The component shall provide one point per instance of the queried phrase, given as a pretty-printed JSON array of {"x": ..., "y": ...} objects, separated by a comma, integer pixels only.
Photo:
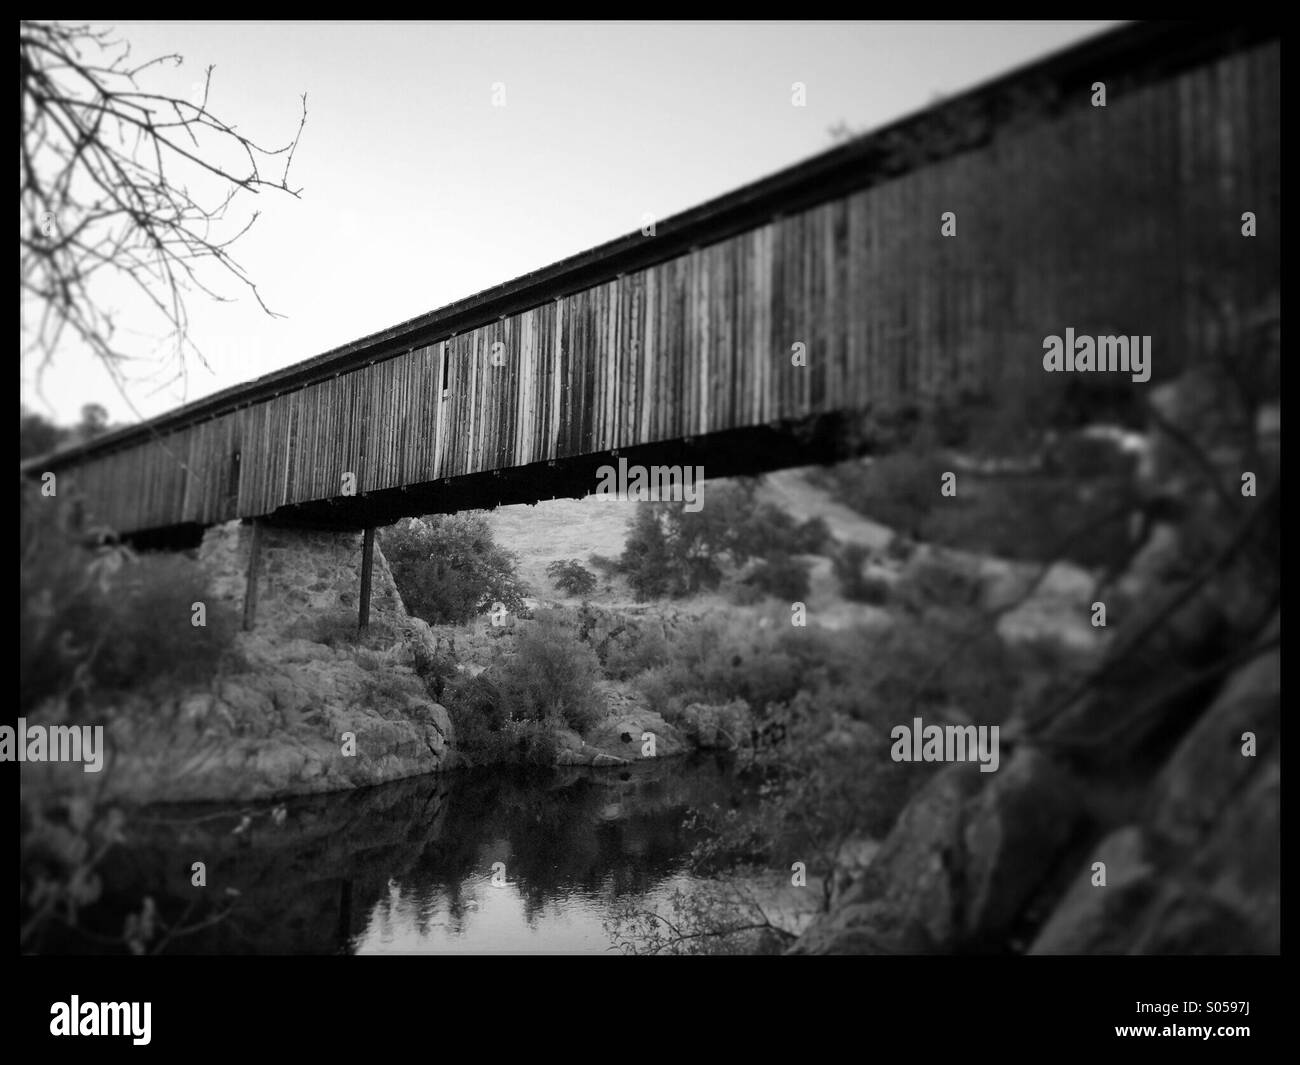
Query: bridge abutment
[{"x": 299, "y": 574}]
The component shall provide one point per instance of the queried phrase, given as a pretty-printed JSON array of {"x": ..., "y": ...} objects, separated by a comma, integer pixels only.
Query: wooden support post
[
  {"x": 367, "y": 560},
  {"x": 250, "y": 587}
]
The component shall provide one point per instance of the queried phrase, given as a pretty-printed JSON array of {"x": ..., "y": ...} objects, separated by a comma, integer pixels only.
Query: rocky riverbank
[
  {"x": 1141, "y": 812},
  {"x": 302, "y": 706}
]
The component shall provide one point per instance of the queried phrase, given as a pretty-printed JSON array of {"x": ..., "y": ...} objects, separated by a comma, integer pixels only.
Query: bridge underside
[{"x": 816, "y": 440}]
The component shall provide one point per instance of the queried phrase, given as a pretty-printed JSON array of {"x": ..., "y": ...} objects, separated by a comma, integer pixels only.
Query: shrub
[
  {"x": 571, "y": 577},
  {"x": 435, "y": 669},
  {"x": 533, "y": 742},
  {"x": 109, "y": 619},
  {"x": 781, "y": 577},
  {"x": 449, "y": 569},
  {"x": 813, "y": 536},
  {"x": 635, "y": 652},
  {"x": 551, "y": 674},
  {"x": 875, "y": 591},
  {"x": 934, "y": 582},
  {"x": 513, "y": 711},
  {"x": 658, "y": 685},
  {"x": 746, "y": 594},
  {"x": 474, "y": 704},
  {"x": 899, "y": 548},
  {"x": 854, "y": 584},
  {"x": 718, "y": 660},
  {"x": 609, "y": 567}
]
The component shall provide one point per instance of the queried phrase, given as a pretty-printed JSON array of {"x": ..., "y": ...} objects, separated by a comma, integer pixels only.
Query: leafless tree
[{"x": 124, "y": 189}]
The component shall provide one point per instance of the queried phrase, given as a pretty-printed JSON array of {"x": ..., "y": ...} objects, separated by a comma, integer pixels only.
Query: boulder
[
  {"x": 621, "y": 735},
  {"x": 1091, "y": 919},
  {"x": 964, "y": 858},
  {"x": 274, "y": 731},
  {"x": 1058, "y": 612},
  {"x": 1014, "y": 834},
  {"x": 907, "y": 900}
]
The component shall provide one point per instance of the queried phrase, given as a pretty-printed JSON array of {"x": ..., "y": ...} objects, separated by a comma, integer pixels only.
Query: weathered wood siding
[{"x": 890, "y": 313}]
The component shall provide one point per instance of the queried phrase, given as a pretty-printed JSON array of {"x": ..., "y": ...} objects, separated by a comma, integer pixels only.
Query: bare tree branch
[{"x": 101, "y": 198}]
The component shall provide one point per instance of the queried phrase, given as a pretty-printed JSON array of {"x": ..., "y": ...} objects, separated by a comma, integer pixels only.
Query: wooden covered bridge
[{"x": 783, "y": 323}]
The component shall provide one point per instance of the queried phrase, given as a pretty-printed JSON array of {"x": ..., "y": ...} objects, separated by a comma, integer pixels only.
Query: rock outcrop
[
  {"x": 1139, "y": 813},
  {"x": 303, "y": 707}
]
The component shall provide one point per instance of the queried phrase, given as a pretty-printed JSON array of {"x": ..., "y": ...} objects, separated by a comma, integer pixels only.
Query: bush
[
  {"x": 149, "y": 624},
  {"x": 449, "y": 569},
  {"x": 435, "y": 669},
  {"x": 571, "y": 577},
  {"x": 513, "y": 711},
  {"x": 474, "y": 704},
  {"x": 533, "y": 742},
  {"x": 812, "y": 537},
  {"x": 781, "y": 577},
  {"x": 935, "y": 582},
  {"x": 551, "y": 674},
  {"x": 854, "y": 584},
  {"x": 866, "y": 673},
  {"x": 874, "y": 591},
  {"x": 635, "y": 652},
  {"x": 609, "y": 567},
  {"x": 108, "y": 619},
  {"x": 745, "y": 594},
  {"x": 718, "y": 660}
]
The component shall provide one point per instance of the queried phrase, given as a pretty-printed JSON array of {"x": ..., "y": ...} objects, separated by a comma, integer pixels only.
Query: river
[{"x": 490, "y": 860}]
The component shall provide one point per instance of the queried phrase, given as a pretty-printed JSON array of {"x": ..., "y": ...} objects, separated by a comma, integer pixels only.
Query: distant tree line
[{"x": 38, "y": 435}]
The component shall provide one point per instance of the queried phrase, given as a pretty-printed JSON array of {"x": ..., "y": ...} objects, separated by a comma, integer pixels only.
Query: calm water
[{"x": 408, "y": 867}]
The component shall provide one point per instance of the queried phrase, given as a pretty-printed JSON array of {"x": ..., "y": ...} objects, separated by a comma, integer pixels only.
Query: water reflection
[{"x": 409, "y": 866}]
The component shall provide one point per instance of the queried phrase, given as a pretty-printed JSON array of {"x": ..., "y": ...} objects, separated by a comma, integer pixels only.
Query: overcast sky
[{"x": 418, "y": 191}]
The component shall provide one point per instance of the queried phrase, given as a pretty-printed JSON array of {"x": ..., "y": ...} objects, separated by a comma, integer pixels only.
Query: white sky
[{"x": 417, "y": 191}]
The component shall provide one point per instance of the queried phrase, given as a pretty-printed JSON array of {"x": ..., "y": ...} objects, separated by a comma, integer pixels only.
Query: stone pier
[{"x": 302, "y": 573}]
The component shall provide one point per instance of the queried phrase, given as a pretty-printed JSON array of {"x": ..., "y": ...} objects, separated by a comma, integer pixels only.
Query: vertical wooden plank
[
  {"x": 490, "y": 389},
  {"x": 560, "y": 363},
  {"x": 517, "y": 411},
  {"x": 704, "y": 339},
  {"x": 526, "y": 432},
  {"x": 663, "y": 349},
  {"x": 475, "y": 404},
  {"x": 579, "y": 417},
  {"x": 600, "y": 363},
  {"x": 776, "y": 346},
  {"x": 649, "y": 355},
  {"x": 387, "y": 413},
  {"x": 440, "y": 378},
  {"x": 614, "y": 311},
  {"x": 590, "y": 320}
]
